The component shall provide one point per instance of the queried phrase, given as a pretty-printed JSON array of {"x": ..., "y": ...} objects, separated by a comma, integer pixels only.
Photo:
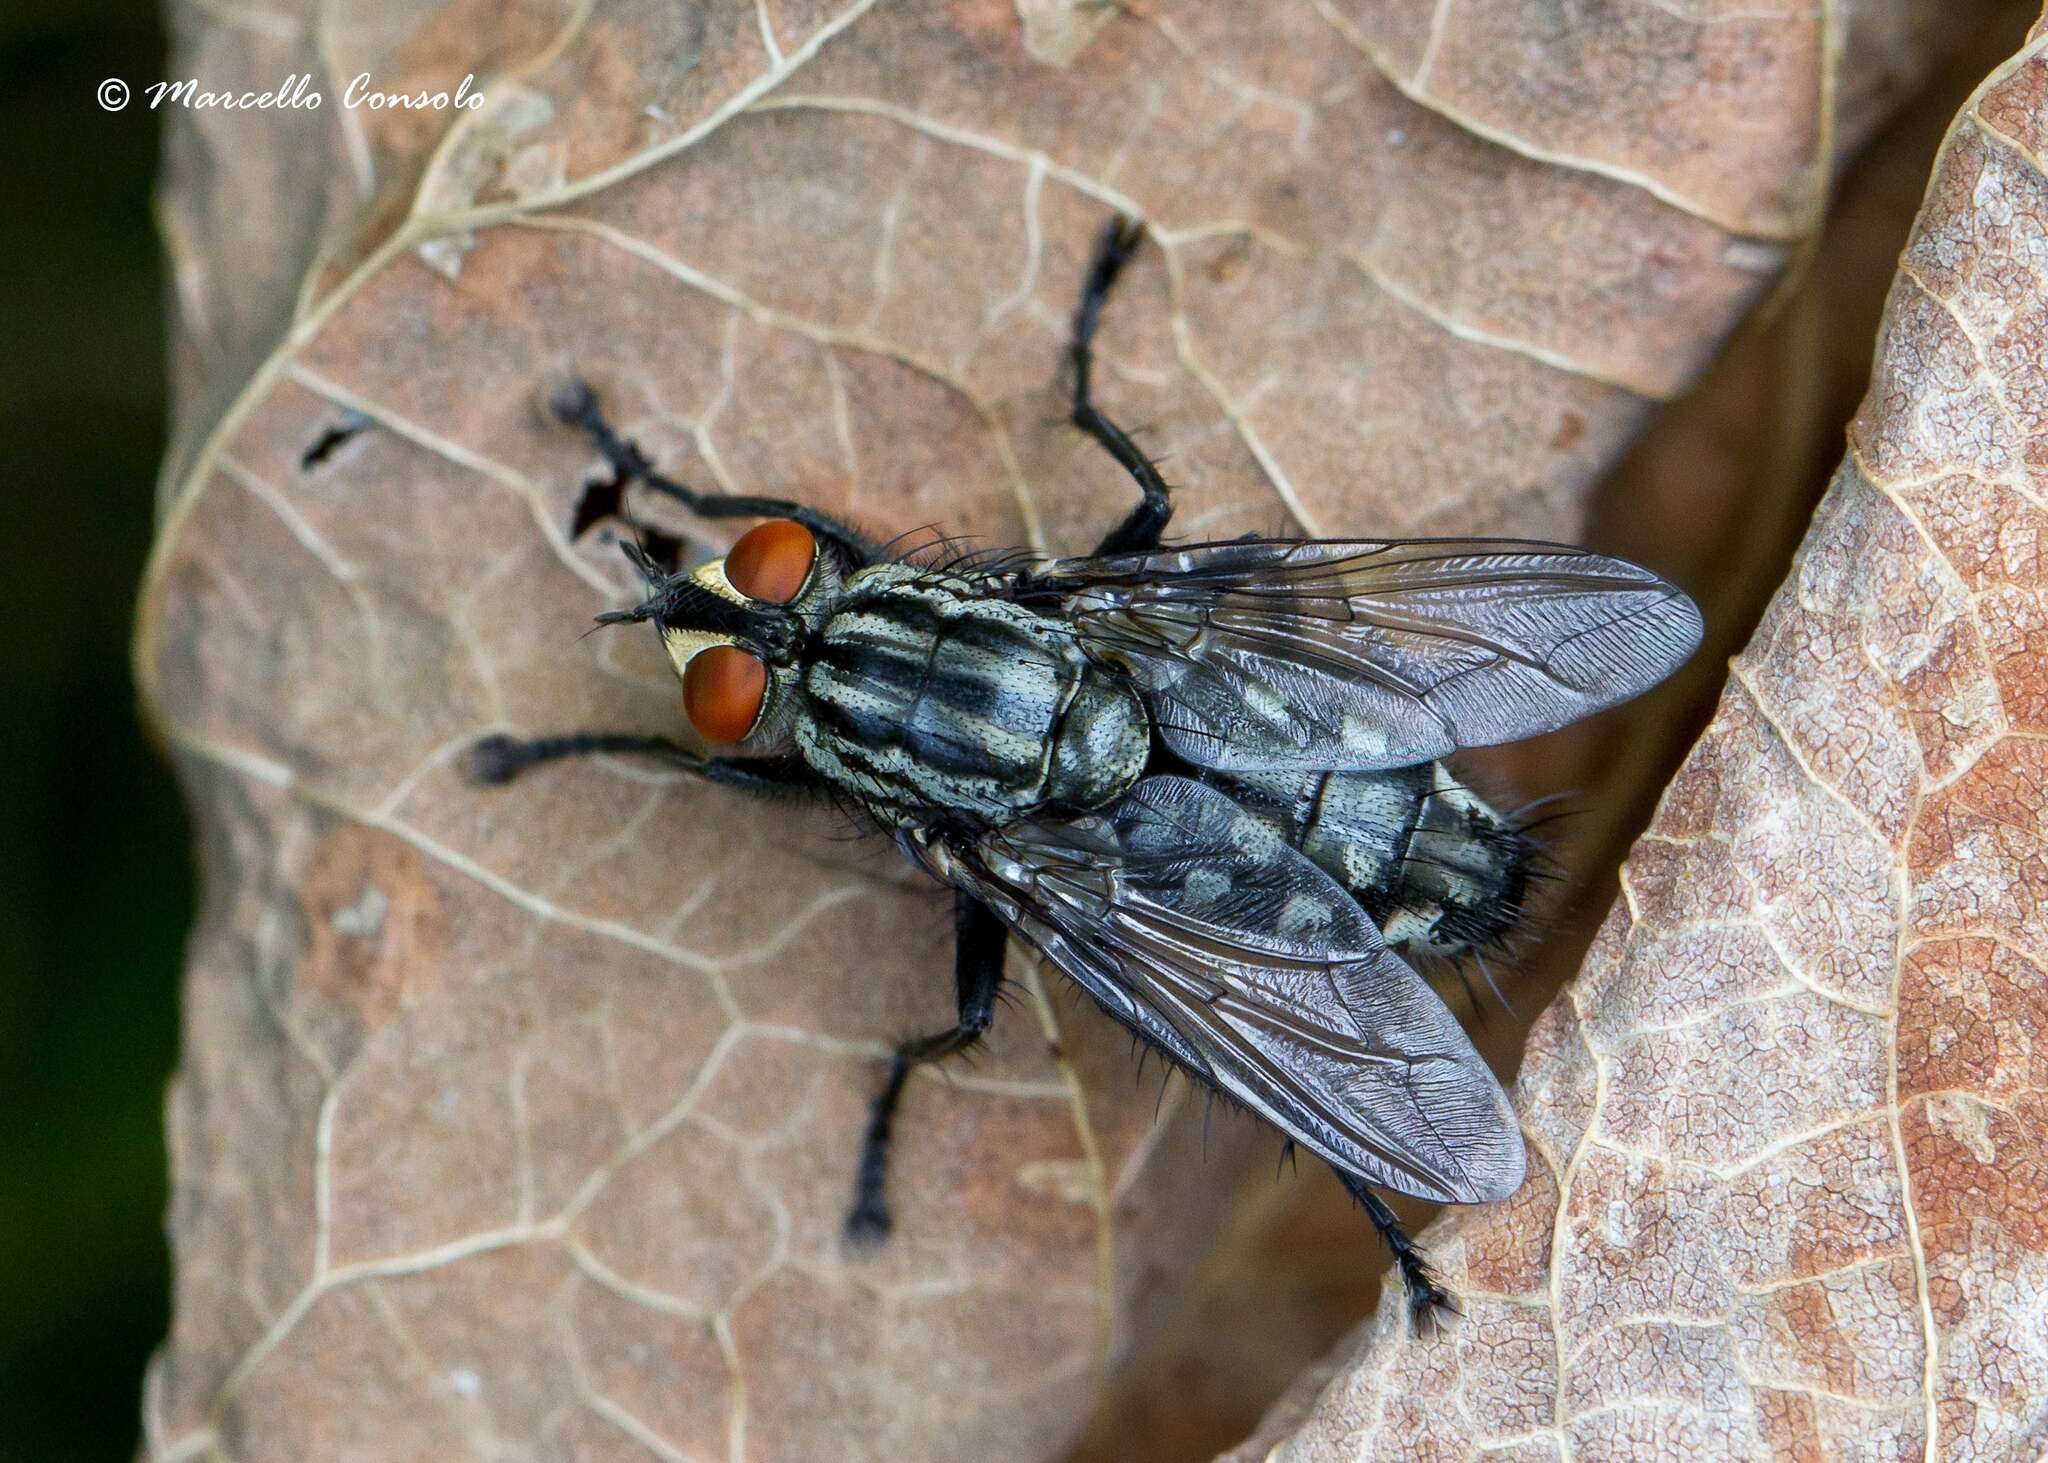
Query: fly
[{"x": 1202, "y": 780}]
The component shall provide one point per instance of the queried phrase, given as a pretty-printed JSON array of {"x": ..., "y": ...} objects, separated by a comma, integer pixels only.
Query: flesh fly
[{"x": 1202, "y": 780}]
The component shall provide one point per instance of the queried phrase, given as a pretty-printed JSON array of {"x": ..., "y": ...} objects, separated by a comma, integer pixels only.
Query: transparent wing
[
  {"x": 1354, "y": 655},
  {"x": 1201, "y": 930}
]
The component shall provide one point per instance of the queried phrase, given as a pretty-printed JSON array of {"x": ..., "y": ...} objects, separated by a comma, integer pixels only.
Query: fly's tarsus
[{"x": 1429, "y": 1304}]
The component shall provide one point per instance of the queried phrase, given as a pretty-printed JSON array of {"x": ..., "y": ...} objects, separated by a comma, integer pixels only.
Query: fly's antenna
[
  {"x": 639, "y": 612},
  {"x": 637, "y": 554},
  {"x": 652, "y": 575},
  {"x": 680, "y": 599}
]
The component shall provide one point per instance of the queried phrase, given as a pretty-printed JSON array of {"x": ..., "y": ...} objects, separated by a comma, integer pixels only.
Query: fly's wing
[
  {"x": 1203, "y": 931},
  {"x": 1355, "y": 655}
]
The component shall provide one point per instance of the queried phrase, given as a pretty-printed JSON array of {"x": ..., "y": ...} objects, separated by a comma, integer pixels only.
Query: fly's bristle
[
  {"x": 1286, "y": 1159},
  {"x": 929, "y": 539}
]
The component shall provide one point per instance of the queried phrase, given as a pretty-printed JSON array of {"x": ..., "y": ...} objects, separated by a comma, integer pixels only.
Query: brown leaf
[
  {"x": 526, "y": 1116},
  {"x": 1790, "y": 1118}
]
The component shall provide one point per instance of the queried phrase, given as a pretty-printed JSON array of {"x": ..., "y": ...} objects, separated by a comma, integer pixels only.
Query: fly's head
[{"x": 735, "y": 630}]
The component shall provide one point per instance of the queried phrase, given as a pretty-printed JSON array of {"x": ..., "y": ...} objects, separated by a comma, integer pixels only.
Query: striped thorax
[{"x": 923, "y": 694}]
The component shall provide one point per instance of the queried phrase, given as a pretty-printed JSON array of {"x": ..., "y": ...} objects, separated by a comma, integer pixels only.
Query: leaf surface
[
  {"x": 1790, "y": 1119},
  {"x": 522, "y": 1120}
]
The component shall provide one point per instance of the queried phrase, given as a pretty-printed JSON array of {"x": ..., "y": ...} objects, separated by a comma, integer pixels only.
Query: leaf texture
[
  {"x": 1789, "y": 1122},
  {"x": 519, "y": 1123}
]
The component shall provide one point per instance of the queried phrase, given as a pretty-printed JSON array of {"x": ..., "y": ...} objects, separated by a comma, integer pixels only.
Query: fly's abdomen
[
  {"x": 1434, "y": 865},
  {"x": 926, "y": 695}
]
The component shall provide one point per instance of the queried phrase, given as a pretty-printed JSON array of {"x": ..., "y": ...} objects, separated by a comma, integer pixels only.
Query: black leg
[
  {"x": 1147, "y": 521},
  {"x": 577, "y": 405},
  {"x": 978, "y": 973},
  {"x": 498, "y": 758},
  {"x": 1428, "y": 1302}
]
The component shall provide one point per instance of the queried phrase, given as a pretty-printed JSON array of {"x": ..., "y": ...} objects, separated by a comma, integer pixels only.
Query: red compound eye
[
  {"x": 771, "y": 561},
  {"x": 723, "y": 688}
]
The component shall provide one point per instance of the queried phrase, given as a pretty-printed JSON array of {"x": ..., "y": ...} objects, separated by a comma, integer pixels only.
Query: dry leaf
[
  {"x": 523, "y": 1120},
  {"x": 1717, "y": 492},
  {"x": 1791, "y": 1117}
]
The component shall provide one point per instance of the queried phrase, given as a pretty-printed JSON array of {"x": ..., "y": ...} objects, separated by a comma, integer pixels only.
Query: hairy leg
[
  {"x": 1146, "y": 522},
  {"x": 1427, "y": 1301},
  {"x": 979, "y": 940},
  {"x": 498, "y": 758},
  {"x": 577, "y": 405}
]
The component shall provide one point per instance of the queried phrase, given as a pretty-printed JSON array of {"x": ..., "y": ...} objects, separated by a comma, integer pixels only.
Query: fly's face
[{"x": 735, "y": 630}]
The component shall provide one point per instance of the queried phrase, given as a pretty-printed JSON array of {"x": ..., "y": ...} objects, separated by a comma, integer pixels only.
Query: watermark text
[{"x": 297, "y": 92}]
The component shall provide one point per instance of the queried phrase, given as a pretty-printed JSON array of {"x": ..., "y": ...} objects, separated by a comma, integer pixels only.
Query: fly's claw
[
  {"x": 495, "y": 759},
  {"x": 1120, "y": 240},
  {"x": 867, "y": 1225},
  {"x": 1430, "y": 1307}
]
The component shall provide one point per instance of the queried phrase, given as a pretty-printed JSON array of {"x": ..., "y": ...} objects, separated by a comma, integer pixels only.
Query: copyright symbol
[{"x": 113, "y": 94}]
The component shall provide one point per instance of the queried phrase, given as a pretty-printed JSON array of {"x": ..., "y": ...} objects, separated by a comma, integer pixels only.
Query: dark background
[{"x": 95, "y": 857}]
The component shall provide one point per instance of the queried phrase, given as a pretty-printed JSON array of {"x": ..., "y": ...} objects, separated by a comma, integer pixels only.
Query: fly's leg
[
  {"x": 978, "y": 973},
  {"x": 1146, "y": 522},
  {"x": 1427, "y": 1301},
  {"x": 576, "y": 404},
  {"x": 498, "y": 759}
]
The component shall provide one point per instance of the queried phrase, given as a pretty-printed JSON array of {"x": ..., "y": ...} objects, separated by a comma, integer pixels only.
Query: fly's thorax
[
  {"x": 1437, "y": 868},
  {"x": 923, "y": 695}
]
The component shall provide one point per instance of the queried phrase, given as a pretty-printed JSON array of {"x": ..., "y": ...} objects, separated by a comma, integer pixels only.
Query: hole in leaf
[
  {"x": 324, "y": 446},
  {"x": 604, "y": 502}
]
